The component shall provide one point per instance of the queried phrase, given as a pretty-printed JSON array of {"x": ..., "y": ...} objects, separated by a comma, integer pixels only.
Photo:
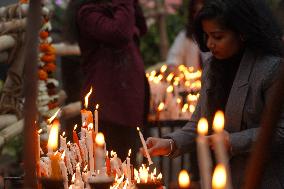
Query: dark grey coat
[{"x": 248, "y": 96}]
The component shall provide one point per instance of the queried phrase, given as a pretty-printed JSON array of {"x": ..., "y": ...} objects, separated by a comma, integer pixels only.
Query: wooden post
[
  {"x": 162, "y": 28},
  {"x": 30, "y": 93},
  {"x": 270, "y": 118}
]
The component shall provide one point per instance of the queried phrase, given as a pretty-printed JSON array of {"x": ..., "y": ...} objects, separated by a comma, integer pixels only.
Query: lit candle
[
  {"x": 100, "y": 155},
  {"x": 38, "y": 138},
  {"x": 53, "y": 137},
  {"x": 55, "y": 168},
  {"x": 96, "y": 119},
  {"x": 63, "y": 144},
  {"x": 75, "y": 136},
  {"x": 204, "y": 159},
  {"x": 108, "y": 166},
  {"x": 87, "y": 116},
  {"x": 183, "y": 179},
  {"x": 159, "y": 110},
  {"x": 128, "y": 166},
  {"x": 219, "y": 146},
  {"x": 145, "y": 146},
  {"x": 90, "y": 150},
  {"x": 219, "y": 180},
  {"x": 64, "y": 170}
]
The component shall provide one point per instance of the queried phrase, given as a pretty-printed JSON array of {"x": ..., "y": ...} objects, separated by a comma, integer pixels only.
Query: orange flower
[
  {"x": 46, "y": 48},
  {"x": 43, "y": 34},
  {"x": 49, "y": 67},
  {"x": 42, "y": 75},
  {"x": 48, "y": 58},
  {"x": 24, "y": 1},
  {"x": 52, "y": 105}
]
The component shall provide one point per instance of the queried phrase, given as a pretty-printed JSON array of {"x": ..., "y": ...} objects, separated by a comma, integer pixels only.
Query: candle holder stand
[
  {"x": 100, "y": 185},
  {"x": 49, "y": 183},
  {"x": 148, "y": 185}
]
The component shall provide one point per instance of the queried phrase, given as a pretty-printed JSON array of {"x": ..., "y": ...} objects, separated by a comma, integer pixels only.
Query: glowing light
[
  {"x": 53, "y": 136},
  {"x": 219, "y": 178},
  {"x": 170, "y": 89},
  {"x": 87, "y": 97},
  {"x": 53, "y": 117},
  {"x": 183, "y": 179},
  {"x": 218, "y": 122},
  {"x": 161, "y": 106},
  {"x": 100, "y": 139},
  {"x": 163, "y": 68},
  {"x": 202, "y": 127}
]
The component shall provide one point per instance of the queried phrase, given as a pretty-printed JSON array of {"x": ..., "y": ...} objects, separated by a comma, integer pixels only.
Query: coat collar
[{"x": 238, "y": 94}]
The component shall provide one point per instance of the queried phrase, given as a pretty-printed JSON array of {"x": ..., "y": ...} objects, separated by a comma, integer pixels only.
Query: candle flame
[
  {"x": 184, "y": 108},
  {"x": 86, "y": 168},
  {"x": 218, "y": 122},
  {"x": 161, "y": 106},
  {"x": 97, "y": 106},
  {"x": 170, "y": 89},
  {"x": 219, "y": 178},
  {"x": 73, "y": 178},
  {"x": 202, "y": 127},
  {"x": 63, "y": 134},
  {"x": 191, "y": 108},
  {"x": 90, "y": 126},
  {"x": 63, "y": 155},
  {"x": 163, "y": 68},
  {"x": 53, "y": 136},
  {"x": 138, "y": 129},
  {"x": 68, "y": 143},
  {"x": 153, "y": 73},
  {"x": 178, "y": 100},
  {"x": 87, "y": 97},
  {"x": 100, "y": 139},
  {"x": 183, "y": 179},
  {"x": 160, "y": 176},
  {"x": 39, "y": 131},
  {"x": 129, "y": 152},
  {"x": 75, "y": 127},
  {"x": 53, "y": 117},
  {"x": 170, "y": 77}
]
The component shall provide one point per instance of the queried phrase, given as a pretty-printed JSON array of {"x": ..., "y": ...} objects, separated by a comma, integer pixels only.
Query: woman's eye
[{"x": 217, "y": 37}]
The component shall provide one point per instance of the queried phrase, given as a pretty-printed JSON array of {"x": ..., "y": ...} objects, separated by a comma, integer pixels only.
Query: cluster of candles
[
  {"x": 173, "y": 94},
  {"x": 221, "y": 175},
  {"x": 86, "y": 160}
]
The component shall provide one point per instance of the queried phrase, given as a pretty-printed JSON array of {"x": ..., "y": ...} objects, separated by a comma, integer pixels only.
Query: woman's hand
[
  {"x": 157, "y": 146},
  {"x": 226, "y": 137}
]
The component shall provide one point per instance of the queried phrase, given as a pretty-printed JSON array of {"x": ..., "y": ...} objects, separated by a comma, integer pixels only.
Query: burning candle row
[
  {"x": 87, "y": 150},
  {"x": 174, "y": 95}
]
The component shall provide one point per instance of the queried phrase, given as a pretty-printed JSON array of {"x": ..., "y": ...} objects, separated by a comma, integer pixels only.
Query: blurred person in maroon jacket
[{"x": 108, "y": 35}]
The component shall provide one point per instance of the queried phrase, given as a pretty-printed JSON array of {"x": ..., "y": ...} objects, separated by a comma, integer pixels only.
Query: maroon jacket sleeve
[{"x": 96, "y": 23}]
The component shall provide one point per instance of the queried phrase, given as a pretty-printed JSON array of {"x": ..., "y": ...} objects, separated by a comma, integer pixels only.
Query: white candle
[
  {"x": 203, "y": 153},
  {"x": 96, "y": 119},
  {"x": 145, "y": 147},
  {"x": 91, "y": 151},
  {"x": 219, "y": 146},
  {"x": 84, "y": 150},
  {"x": 63, "y": 171},
  {"x": 63, "y": 144},
  {"x": 38, "y": 136},
  {"x": 100, "y": 154},
  {"x": 128, "y": 166}
]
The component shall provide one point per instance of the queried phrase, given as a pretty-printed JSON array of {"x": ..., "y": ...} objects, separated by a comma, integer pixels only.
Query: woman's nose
[{"x": 210, "y": 44}]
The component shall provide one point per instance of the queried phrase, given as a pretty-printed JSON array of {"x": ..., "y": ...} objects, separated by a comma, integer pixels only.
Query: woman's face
[{"x": 223, "y": 43}]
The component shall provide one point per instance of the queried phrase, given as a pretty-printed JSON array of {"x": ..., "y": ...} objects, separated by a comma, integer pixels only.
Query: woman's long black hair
[{"x": 252, "y": 19}]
